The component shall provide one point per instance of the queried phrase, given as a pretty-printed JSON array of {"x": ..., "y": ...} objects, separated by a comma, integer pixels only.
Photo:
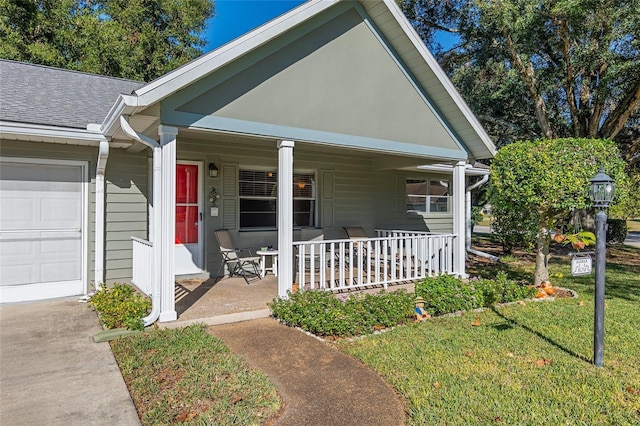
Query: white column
[
  {"x": 285, "y": 217},
  {"x": 167, "y": 226},
  {"x": 459, "y": 221}
]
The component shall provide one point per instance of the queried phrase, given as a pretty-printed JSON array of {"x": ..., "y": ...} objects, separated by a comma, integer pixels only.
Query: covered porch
[{"x": 333, "y": 115}]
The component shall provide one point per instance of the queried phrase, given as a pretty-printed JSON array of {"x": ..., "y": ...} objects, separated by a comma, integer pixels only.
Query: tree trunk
[{"x": 541, "y": 273}]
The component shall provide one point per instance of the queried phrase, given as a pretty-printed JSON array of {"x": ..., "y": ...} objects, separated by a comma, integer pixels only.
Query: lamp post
[{"x": 601, "y": 193}]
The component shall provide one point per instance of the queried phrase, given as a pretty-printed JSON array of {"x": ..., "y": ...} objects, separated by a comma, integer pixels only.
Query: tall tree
[
  {"x": 574, "y": 65},
  {"x": 535, "y": 185},
  {"x": 136, "y": 39}
]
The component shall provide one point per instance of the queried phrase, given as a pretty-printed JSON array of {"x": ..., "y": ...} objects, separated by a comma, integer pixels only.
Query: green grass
[
  {"x": 451, "y": 372},
  {"x": 188, "y": 376}
]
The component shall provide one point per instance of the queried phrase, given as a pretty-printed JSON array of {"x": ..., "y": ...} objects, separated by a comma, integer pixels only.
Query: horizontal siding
[
  {"x": 362, "y": 196},
  {"x": 126, "y": 210}
]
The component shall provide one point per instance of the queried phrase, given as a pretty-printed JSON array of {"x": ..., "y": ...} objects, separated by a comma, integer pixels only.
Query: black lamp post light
[{"x": 601, "y": 192}]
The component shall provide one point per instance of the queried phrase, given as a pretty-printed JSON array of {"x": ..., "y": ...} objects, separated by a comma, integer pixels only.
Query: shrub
[
  {"x": 444, "y": 294},
  {"x": 324, "y": 314},
  {"x": 502, "y": 290},
  {"x": 616, "y": 231},
  {"x": 120, "y": 307}
]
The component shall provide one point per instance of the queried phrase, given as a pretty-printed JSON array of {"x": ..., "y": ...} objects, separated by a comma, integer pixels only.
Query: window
[
  {"x": 258, "y": 190},
  {"x": 428, "y": 196}
]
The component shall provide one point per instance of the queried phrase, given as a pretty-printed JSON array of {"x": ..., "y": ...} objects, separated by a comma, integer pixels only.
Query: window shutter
[
  {"x": 229, "y": 196},
  {"x": 327, "y": 199},
  {"x": 401, "y": 194}
]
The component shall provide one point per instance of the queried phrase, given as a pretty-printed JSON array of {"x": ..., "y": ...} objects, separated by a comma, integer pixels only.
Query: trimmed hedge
[{"x": 325, "y": 314}]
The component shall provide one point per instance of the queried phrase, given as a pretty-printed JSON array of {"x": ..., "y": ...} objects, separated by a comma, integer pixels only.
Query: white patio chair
[{"x": 238, "y": 261}]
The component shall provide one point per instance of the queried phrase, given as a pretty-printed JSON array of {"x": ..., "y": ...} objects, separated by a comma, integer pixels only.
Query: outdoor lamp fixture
[
  {"x": 602, "y": 190},
  {"x": 213, "y": 170},
  {"x": 601, "y": 193}
]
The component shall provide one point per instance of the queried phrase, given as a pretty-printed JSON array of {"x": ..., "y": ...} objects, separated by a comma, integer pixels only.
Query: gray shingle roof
[{"x": 38, "y": 94}]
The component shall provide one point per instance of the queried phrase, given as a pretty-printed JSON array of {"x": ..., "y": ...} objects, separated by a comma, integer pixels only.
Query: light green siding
[
  {"x": 337, "y": 83},
  {"x": 360, "y": 194},
  {"x": 126, "y": 189}
]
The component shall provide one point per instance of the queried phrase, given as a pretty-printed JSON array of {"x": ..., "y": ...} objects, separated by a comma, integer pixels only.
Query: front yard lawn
[
  {"x": 188, "y": 376},
  {"x": 522, "y": 364}
]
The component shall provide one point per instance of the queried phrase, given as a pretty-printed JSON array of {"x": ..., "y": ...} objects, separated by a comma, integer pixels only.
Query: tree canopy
[
  {"x": 135, "y": 39},
  {"x": 542, "y": 69},
  {"x": 536, "y": 184}
]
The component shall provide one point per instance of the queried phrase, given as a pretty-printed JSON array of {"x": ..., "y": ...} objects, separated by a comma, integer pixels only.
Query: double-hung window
[
  {"x": 258, "y": 193},
  {"x": 428, "y": 196}
]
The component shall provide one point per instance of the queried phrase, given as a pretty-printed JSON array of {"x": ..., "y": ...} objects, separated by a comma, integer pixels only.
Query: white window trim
[
  {"x": 275, "y": 170},
  {"x": 427, "y": 197}
]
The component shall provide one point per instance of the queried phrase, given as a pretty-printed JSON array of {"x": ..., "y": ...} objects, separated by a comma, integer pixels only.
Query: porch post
[
  {"x": 285, "y": 217},
  {"x": 167, "y": 228},
  {"x": 459, "y": 222}
]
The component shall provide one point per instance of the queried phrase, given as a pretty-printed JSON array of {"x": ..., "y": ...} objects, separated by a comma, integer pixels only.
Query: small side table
[{"x": 263, "y": 264}]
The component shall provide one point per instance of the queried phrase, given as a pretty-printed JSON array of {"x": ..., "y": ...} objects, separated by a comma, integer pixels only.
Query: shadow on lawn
[{"x": 511, "y": 323}]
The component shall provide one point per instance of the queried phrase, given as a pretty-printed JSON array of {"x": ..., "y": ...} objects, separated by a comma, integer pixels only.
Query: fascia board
[
  {"x": 440, "y": 74},
  {"x": 446, "y": 168},
  {"x": 199, "y": 68},
  {"x": 125, "y": 105},
  {"x": 26, "y": 131}
]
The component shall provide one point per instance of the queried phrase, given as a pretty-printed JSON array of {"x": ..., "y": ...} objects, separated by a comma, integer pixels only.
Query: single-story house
[{"x": 332, "y": 115}]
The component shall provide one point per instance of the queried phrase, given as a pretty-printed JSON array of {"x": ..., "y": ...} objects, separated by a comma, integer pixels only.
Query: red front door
[{"x": 188, "y": 218}]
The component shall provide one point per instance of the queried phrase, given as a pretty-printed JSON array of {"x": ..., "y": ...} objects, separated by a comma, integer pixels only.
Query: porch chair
[
  {"x": 358, "y": 233},
  {"x": 238, "y": 261}
]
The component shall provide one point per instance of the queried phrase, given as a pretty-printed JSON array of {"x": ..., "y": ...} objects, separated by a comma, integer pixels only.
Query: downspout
[
  {"x": 101, "y": 164},
  {"x": 476, "y": 185},
  {"x": 156, "y": 196}
]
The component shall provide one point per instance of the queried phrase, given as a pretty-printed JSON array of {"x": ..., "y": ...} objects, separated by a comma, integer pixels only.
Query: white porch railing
[
  {"x": 392, "y": 257},
  {"x": 142, "y": 265}
]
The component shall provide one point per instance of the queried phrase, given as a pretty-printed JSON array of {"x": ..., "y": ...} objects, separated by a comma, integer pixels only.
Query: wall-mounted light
[
  {"x": 301, "y": 185},
  {"x": 213, "y": 170}
]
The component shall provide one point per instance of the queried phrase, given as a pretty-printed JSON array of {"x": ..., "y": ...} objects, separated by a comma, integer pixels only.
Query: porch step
[{"x": 220, "y": 319}]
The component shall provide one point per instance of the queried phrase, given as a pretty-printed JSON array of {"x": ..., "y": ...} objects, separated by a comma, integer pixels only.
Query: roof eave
[{"x": 52, "y": 134}]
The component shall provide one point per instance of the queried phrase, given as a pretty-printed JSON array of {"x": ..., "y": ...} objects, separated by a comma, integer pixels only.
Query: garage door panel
[
  {"x": 16, "y": 246},
  {"x": 59, "y": 271},
  {"x": 16, "y": 274},
  {"x": 41, "y": 230},
  {"x": 17, "y": 212},
  {"x": 60, "y": 212}
]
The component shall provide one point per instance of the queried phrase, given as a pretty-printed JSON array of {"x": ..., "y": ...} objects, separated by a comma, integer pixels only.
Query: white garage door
[{"x": 42, "y": 229}]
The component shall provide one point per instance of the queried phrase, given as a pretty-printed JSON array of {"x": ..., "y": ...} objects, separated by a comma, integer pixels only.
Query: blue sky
[{"x": 235, "y": 17}]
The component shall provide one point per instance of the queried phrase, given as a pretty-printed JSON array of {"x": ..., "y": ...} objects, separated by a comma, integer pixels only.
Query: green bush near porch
[
  {"x": 325, "y": 314},
  {"x": 120, "y": 307},
  {"x": 445, "y": 294}
]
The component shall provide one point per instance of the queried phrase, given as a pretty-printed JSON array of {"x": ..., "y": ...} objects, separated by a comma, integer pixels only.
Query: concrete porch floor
[{"x": 223, "y": 301}]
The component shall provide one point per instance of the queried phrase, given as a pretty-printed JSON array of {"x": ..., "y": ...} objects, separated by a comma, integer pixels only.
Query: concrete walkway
[
  {"x": 51, "y": 371},
  {"x": 319, "y": 384}
]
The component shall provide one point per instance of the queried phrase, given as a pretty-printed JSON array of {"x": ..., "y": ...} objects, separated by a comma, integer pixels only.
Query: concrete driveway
[{"x": 51, "y": 371}]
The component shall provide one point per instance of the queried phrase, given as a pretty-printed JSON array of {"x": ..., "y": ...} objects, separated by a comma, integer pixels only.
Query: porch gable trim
[{"x": 214, "y": 123}]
